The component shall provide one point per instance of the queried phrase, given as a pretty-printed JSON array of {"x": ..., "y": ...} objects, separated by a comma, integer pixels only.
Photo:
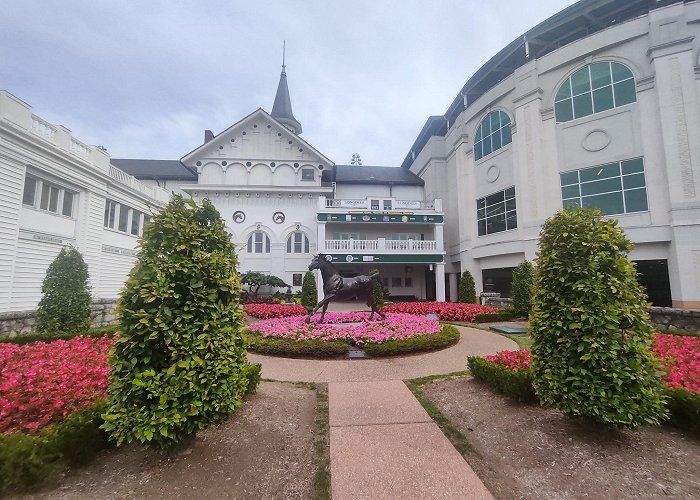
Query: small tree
[
  {"x": 522, "y": 288},
  {"x": 65, "y": 301},
  {"x": 179, "y": 361},
  {"x": 467, "y": 288},
  {"x": 590, "y": 324},
  {"x": 255, "y": 280},
  {"x": 377, "y": 289},
  {"x": 309, "y": 292}
]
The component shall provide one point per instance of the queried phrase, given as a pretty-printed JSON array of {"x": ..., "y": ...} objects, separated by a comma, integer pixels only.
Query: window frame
[
  {"x": 113, "y": 217},
  {"x": 482, "y": 134},
  {"x": 305, "y": 171},
  {"x": 49, "y": 203},
  {"x": 509, "y": 214},
  {"x": 252, "y": 244},
  {"x": 303, "y": 243}
]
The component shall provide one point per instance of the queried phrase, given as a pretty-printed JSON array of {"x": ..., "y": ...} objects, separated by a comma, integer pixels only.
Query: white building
[
  {"x": 597, "y": 106},
  {"x": 56, "y": 191}
]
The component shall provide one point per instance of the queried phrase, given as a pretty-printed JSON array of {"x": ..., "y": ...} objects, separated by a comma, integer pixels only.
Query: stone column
[{"x": 440, "y": 282}]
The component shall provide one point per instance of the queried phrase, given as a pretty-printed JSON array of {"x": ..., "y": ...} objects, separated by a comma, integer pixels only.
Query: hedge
[
  {"x": 447, "y": 337},
  {"x": 28, "y": 338},
  {"x": 504, "y": 315}
]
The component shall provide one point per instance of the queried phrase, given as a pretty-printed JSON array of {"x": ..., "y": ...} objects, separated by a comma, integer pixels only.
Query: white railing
[
  {"x": 366, "y": 204},
  {"x": 43, "y": 128},
  {"x": 122, "y": 177},
  {"x": 382, "y": 246},
  {"x": 79, "y": 148}
]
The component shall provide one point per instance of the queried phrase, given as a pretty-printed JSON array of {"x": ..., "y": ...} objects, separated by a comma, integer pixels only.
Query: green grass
[
  {"x": 458, "y": 440},
  {"x": 322, "y": 449}
]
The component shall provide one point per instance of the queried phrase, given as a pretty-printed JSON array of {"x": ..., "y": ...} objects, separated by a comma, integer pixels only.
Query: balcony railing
[
  {"x": 382, "y": 246},
  {"x": 122, "y": 177},
  {"x": 366, "y": 204}
]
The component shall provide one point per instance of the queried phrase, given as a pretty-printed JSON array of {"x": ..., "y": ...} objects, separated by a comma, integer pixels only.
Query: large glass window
[
  {"x": 29, "y": 194},
  {"x": 496, "y": 212},
  {"x": 597, "y": 87},
  {"x": 613, "y": 188},
  {"x": 45, "y": 195},
  {"x": 259, "y": 242},
  {"x": 493, "y": 133},
  {"x": 124, "y": 218},
  {"x": 297, "y": 242}
]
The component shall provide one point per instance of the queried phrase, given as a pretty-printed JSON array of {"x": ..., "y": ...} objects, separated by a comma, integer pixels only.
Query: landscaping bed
[
  {"x": 445, "y": 311},
  {"x": 526, "y": 451}
]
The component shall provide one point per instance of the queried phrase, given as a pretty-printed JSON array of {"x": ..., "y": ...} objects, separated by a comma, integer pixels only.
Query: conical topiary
[
  {"x": 467, "y": 289},
  {"x": 309, "y": 292}
]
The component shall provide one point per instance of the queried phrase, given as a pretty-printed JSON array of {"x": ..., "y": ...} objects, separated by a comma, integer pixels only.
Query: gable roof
[
  {"x": 154, "y": 169},
  {"x": 365, "y": 174}
]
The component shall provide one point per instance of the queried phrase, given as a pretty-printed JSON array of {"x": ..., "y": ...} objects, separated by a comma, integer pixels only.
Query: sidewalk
[{"x": 385, "y": 446}]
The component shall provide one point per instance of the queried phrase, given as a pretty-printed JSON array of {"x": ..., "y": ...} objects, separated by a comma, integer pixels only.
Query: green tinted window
[
  {"x": 583, "y": 105},
  {"x": 569, "y": 178},
  {"x": 624, "y": 92},
  {"x": 620, "y": 72},
  {"x": 492, "y": 134},
  {"x": 570, "y": 192},
  {"x": 636, "y": 200},
  {"x": 580, "y": 81},
  {"x": 632, "y": 166},
  {"x": 564, "y": 90},
  {"x": 496, "y": 212},
  {"x": 633, "y": 181},
  {"x": 603, "y": 99},
  {"x": 602, "y": 186},
  {"x": 608, "y": 204},
  {"x": 600, "y": 172},
  {"x": 600, "y": 75}
]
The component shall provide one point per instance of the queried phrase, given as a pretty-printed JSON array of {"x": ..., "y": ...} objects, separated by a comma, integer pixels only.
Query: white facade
[
  {"x": 54, "y": 191},
  {"x": 650, "y": 129}
]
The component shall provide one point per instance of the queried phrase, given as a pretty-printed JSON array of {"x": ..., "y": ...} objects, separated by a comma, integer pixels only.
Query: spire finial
[{"x": 284, "y": 50}]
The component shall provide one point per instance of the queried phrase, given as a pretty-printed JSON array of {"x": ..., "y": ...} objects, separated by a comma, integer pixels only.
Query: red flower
[
  {"x": 269, "y": 311},
  {"x": 446, "y": 311}
]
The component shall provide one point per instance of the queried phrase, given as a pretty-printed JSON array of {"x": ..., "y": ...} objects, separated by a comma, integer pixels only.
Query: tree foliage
[
  {"x": 255, "y": 280},
  {"x": 522, "y": 288},
  {"x": 377, "y": 295},
  {"x": 467, "y": 288},
  {"x": 179, "y": 361},
  {"x": 65, "y": 300},
  {"x": 590, "y": 324},
  {"x": 309, "y": 292}
]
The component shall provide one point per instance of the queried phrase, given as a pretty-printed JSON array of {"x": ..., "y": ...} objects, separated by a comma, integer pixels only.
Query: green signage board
[
  {"x": 386, "y": 258},
  {"x": 381, "y": 217}
]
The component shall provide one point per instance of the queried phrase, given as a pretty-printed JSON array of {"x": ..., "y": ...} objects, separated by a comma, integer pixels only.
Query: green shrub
[
  {"x": 65, "y": 300},
  {"x": 684, "y": 410},
  {"x": 311, "y": 348},
  {"x": 447, "y": 337},
  {"x": 467, "y": 288},
  {"x": 178, "y": 362},
  {"x": 254, "y": 280},
  {"x": 24, "y": 461},
  {"x": 503, "y": 315},
  {"x": 515, "y": 384},
  {"x": 590, "y": 326},
  {"x": 522, "y": 289},
  {"x": 377, "y": 289},
  {"x": 252, "y": 372},
  {"x": 28, "y": 338},
  {"x": 79, "y": 437},
  {"x": 309, "y": 292}
]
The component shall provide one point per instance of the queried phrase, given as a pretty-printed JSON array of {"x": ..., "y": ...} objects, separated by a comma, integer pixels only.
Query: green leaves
[
  {"x": 309, "y": 292},
  {"x": 590, "y": 324},
  {"x": 522, "y": 288},
  {"x": 467, "y": 289}
]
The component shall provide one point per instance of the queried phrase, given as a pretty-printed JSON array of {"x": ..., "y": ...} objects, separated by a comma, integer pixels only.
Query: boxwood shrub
[
  {"x": 466, "y": 293},
  {"x": 504, "y": 315},
  {"x": 516, "y": 384}
]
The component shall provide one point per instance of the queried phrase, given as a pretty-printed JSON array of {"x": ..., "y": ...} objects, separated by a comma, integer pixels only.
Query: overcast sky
[{"x": 145, "y": 78}]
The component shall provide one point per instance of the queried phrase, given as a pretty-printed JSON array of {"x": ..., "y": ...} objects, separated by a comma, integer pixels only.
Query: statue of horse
[{"x": 335, "y": 287}]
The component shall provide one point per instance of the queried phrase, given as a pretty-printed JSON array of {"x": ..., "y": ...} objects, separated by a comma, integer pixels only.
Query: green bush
[
  {"x": 252, "y": 372},
  {"x": 377, "y": 289},
  {"x": 65, "y": 300},
  {"x": 590, "y": 326},
  {"x": 28, "y": 338},
  {"x": 503, "y": 315},
  {"x": 178, "y": 362},
  {"x": 522, "y": 288},
  {"x": 24, "y": 461},
  {"x": 684, "y": 410},
  {"x": 447, "y": 337},
  {"x": 506, "y": 381},
  {"x": 254, "y": 280},
  {"x": 467, "y": 289},
  {"x": 79, "y": 437},
  {"x": 309, "y": 292},
  {"x": 311, "y": 348}
]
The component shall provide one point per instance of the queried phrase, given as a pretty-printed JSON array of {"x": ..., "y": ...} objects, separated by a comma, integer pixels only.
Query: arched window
[
  {"x": 493, "y": 133},
  {"x": 259, "y": 242},
  {"x": 594, "y": 88},
  {"x": 297, "y": 243}
]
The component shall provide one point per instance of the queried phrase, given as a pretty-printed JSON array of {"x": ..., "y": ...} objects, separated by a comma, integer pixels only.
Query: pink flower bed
[
  {"x": 680, "y": 356},
  {"x": 42, "y": 383},
  {"x": 267, "y": 311},
  {"x": 446, "y": 311},
  {"x": 396, "y": 326}
]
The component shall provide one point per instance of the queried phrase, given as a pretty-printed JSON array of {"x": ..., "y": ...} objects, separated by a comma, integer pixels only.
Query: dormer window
[{"x": 308, "y": 174}]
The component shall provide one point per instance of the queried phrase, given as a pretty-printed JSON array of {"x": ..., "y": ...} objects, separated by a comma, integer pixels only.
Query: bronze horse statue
[{"x": 335, "y": 287}]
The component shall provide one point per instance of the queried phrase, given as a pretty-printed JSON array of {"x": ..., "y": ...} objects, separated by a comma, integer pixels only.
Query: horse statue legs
[{"x": 324, "y": 303}]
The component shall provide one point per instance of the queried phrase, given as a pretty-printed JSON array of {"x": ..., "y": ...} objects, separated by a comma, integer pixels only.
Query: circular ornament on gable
[
  {"x": 278, "y": 217},
  {"x": 493, "y": 173},
  {"x": 238, "y": 216},
  {"x": 596, "y": 140}
]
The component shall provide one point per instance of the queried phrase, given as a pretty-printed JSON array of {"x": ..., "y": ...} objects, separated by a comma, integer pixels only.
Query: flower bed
[
  {"x": 515, "y": 360},
  {"x": 681, "y": 359},
  {"x": 395, "y": 327},
  {"x": 446, "y": 311},
  {"x": 268, "y": 311},
  {"x": 40, "y": 384}
]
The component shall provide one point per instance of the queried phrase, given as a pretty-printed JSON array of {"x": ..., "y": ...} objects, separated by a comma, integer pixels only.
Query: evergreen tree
[
  {"x": 590, "y": 324},
  {"x": 179, "y": 361},
  {"x": 522, "y": 288},
  {"x": 467, "y": 288},
  {"x": 309, "y": 292},
  {"x": 377, "y": 289},
  {"x": 65, "y": 300}
]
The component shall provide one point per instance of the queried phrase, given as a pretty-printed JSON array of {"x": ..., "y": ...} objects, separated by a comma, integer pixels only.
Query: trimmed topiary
[
  {"x": 590, "y": 324},
  {"x": 179, "y": 361},
  {"x": 467, "y": 289},
  {"x": 522, "y": 288},
  {"x": 377, "y": 289},
  {"x": 309, "y": 292},
  {"x": 65, "y": 303}
]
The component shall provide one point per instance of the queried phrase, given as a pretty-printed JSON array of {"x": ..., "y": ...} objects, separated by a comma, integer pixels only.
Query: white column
[
  {"x": 440, "y": 282},
  {"x": 453, "y": 286},
  {"x": 319, "y": 285},
  {"x": 320, "y": 237}
]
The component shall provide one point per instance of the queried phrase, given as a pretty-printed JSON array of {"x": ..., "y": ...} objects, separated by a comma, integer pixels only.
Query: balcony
[
  {"x": 379, "y": 204},
  {"x": 382, "y": 245}
]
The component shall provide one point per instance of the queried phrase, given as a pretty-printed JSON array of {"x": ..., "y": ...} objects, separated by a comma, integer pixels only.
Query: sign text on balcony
[{"x": 380, "y": 217}]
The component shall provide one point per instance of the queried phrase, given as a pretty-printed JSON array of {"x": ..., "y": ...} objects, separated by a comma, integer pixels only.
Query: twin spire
[{"x": 282, "y": 108}]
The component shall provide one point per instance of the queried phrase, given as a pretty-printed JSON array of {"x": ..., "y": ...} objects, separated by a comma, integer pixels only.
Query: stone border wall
[
  {"x": 19, "y": 322},
  {"x": 502, "y": 302},
  {"x": 671, "y": 318}
]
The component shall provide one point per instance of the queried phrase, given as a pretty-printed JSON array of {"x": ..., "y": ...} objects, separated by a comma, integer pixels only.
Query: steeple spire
[{"x": 282, "y": 108}]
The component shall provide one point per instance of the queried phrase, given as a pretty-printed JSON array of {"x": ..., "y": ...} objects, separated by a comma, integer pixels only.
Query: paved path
[{"x": 472, "y": 342}]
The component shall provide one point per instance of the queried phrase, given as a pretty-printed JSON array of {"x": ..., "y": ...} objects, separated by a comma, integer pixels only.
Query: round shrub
[
  {"x": 65, "y": 300},
  {"x": 179, "y": 361},
  {"x": 590, "y": 324},
  {"x": 309, "y": 292},
  {"x": 467, "y": 288},
  {"x": 522, "y": 288}
]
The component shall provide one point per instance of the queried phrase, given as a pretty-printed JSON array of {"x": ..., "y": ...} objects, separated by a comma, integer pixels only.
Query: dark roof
[
  {"x": 282, "y": 108},
  {"x": 569, "y": 25},
  {"x": 154, "y": 169},
  {"x": 364, "y": 174}
]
